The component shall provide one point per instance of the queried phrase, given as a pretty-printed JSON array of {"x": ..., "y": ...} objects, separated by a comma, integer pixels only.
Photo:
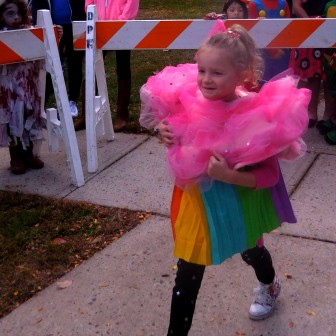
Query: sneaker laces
[{"x": 265, "y": 294}]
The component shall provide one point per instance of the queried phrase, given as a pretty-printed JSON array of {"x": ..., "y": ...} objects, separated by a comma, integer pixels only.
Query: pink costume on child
[
  {"x": 213, "y": 220},
  {"x": 245, "y": 131}
]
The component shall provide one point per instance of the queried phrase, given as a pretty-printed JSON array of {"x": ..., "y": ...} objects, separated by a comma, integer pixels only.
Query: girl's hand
[
  {"x": 166, "y": 135},
  {"x": 218, "y": 168},
  {"x": 214, "y": 16}
]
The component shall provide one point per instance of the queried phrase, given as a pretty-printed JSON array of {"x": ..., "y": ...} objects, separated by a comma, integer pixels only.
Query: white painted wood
[
  {"x": 97, "y": 108},
  {"x": 65, "y": 126}
]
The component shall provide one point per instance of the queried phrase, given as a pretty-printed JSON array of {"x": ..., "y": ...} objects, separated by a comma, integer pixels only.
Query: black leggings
[{"x": 188, "y": 282}]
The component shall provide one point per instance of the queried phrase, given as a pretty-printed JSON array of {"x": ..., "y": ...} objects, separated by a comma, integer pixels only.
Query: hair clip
[{"x": 233, "y": 34}]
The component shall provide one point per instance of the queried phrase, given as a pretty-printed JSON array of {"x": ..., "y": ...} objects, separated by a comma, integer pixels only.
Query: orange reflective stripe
[
  {"x": 8, "y": 55},
  {"x": 163, "y": 34},
  {"x": 38, "y": 32},
  {"x": 296, "y": 32},
  {"x": 106, "y": 30},
  {"x": 247, "y": 24}
]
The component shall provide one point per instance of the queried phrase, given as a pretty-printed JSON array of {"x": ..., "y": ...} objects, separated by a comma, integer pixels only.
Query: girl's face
[
  {"x": 11, "y": 16},
  {"x": 235, "y": 11},
  {"x": 217, "y": 78}
]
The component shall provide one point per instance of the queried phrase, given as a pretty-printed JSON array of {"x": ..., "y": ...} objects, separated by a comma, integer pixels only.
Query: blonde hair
[{"x": 241, "y": 49}]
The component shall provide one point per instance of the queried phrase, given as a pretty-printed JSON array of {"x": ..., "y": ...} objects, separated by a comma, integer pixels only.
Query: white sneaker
[
  {"x": 264, "y": 301},
  {"x": 73, "y": 108}
]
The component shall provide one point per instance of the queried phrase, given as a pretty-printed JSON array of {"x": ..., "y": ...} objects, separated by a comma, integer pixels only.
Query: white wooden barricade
[
  {"x": 97, "y": 108},
  {"x": 40, "y": 43},
  {"x": 95, "y": 36},
  {"x": 64, "y": 127}
]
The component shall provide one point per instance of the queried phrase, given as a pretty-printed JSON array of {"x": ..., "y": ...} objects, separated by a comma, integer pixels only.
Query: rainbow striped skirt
[{"x": 213, "y": 225}]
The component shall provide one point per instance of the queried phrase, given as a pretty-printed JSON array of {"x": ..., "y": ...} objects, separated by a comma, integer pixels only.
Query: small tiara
[{"x": 233, "y": 34}]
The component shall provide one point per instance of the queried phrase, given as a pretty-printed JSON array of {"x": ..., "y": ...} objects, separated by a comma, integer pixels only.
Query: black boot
[
  {"x": 124, "y": 95},
  {"x": 30, "y": 160},
  {"x": 16, "y": 154}
]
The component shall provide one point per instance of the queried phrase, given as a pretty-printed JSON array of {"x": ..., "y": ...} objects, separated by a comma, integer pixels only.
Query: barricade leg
[{"x": 55, "y": 68}]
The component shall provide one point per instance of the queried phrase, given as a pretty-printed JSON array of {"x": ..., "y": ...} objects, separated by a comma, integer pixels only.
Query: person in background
[
  {"x": 233, "y": 9},
  {"x": 327, "y": 125},
  {"x": 308, "y": 63},
  {"x": 202, "y": 114},
  {"x": 119, "y": 10},
  {"x": 20, "y": 98},
  {"x": 276, "y": 60},
  {"x": 63, "y": 12}
]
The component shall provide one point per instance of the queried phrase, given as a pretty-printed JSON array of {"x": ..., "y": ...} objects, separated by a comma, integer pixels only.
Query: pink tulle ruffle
[{"x": 245, "y": 131}]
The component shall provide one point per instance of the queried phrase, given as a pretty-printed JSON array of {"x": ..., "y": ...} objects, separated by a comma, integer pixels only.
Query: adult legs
[
  {"x": 74, "y": 64},
  {"x": 123, "y": 70}
]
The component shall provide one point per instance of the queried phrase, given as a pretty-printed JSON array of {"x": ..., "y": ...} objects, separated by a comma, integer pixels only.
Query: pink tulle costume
[{"x": 245, "y": 131}]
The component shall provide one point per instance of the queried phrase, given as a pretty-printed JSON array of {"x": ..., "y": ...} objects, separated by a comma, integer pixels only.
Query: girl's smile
[{"x": 217, "y": 78}]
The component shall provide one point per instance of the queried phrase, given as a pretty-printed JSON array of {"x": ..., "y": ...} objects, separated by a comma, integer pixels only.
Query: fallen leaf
[
  {"x": 291, "y": 324},
  {"x": 288, "y": 276},
  {"x": 58, "y": 241},
  {"x": 311, "y": 312},
  {"x": 64, "y": 284},
  {"x": 240, "y": 333}
]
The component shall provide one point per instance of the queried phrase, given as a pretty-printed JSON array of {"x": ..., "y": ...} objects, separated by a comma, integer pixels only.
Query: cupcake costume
[{"x": 212, "y": 220}]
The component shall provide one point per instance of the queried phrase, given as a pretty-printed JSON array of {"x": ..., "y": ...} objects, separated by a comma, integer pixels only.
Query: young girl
[
  {"x": 233, "y": 9},
  {"x": 222, "y": 148},
  {"x": 20, "y": 101}
]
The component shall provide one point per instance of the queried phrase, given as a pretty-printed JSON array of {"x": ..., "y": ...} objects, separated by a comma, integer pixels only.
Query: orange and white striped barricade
[
  {"x": 40, "y": 43},
  {"x": 95, "y": 36}
]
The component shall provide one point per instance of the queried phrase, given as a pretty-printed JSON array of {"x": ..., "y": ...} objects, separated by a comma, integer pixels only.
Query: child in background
[
  {"x": 233, "y": 9},
  {"x": 20, "y": 100},
  {"x": 229, "y": 188},
  {"x": 276, "y": 60}
]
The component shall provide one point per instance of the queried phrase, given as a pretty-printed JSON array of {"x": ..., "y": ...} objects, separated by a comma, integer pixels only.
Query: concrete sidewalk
[{"x": 125, "y": 289}]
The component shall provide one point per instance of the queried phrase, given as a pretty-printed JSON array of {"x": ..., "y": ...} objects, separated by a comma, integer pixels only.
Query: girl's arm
[
  {"x": 263, "y": 175},
  {"x": 298, "y": 9}
]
